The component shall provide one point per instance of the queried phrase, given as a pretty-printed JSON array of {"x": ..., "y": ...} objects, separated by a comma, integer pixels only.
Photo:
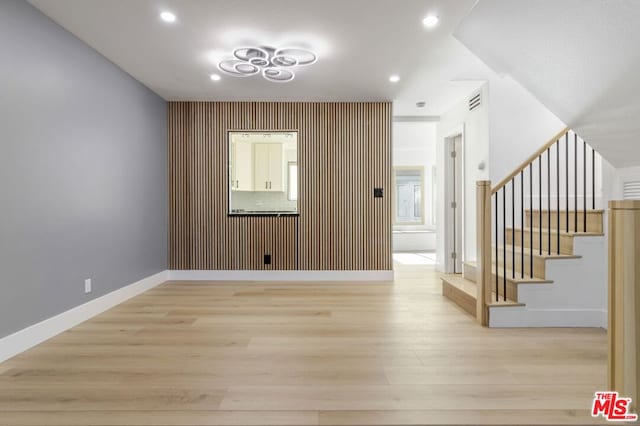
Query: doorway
[{"x": 414, "y": 164}]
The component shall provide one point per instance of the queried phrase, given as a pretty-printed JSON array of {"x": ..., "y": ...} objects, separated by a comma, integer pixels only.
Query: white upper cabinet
[
  {"x": 268, "y": 167},
  {"x": 242, "y": 172},
  {"x": 276, "y": 167}
]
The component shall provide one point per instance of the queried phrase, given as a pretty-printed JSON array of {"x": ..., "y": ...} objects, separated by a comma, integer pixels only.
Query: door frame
[{"x": 449, "y": 262}]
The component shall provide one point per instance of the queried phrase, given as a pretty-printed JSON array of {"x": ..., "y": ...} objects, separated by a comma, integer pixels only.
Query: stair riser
[
  {"x": 594, "y": 221},
  {"x": 566, "y": 241},
  {"x": 512, "y": 288},
  {"x": 469, "y": 272},
  {"x": 539, "y": 264},
  {"x": 459, "y": 297}
]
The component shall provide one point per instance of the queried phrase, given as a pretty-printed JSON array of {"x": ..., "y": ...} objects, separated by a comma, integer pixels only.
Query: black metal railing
[{"x": 511, "y": 194}]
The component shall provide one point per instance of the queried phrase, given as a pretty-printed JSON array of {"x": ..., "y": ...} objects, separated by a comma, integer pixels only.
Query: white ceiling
[
  {"x": 360, "y": 43},
  {"x": 580, "y": 58}
]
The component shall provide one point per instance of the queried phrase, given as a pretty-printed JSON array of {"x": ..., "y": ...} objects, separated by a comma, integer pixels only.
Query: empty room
[{"x": 319, "y": 212}]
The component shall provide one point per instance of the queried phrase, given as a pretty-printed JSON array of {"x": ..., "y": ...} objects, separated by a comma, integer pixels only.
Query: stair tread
[
  {"x": 565, "y": 233},
  {"x": 461, "y": 283},
  {"x": 565, "y": 211},
  {"x": 470, "y": 288},
  {"x": 518, "y": 279},
  {"x": 536, "y": 252}
]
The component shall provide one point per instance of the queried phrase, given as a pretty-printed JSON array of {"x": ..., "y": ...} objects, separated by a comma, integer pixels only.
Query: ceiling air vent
[
  {"x": 475, "y": 101},
  {"x": 631, "y": 190}
]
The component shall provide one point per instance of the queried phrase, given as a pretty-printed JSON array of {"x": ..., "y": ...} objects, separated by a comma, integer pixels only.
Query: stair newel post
[
  {"x": 624, "y": 299},
  {"x": 483, "y": 242}
]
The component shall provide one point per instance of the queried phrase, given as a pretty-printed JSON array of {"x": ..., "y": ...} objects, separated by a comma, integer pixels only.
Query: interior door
[{"x": 456, "y": 204}]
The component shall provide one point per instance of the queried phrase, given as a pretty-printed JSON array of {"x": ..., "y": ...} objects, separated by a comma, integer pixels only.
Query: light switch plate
[{"x": 87, "y": 285}]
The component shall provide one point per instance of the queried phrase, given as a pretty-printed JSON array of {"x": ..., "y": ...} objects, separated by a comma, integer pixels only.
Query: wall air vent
[
  {"x": 631, "y": 190},
  {"x": 475, "y": 101}
]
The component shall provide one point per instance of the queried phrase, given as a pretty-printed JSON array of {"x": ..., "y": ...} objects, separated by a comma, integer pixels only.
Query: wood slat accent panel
[{"x": 344, "y": 152}]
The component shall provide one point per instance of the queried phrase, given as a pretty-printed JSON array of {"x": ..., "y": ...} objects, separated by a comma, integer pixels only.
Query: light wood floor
[{"x": 302, "y": 353}]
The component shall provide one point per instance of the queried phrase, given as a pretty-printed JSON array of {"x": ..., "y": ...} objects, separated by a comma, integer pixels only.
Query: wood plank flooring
[{"x": 303, "y": 354}]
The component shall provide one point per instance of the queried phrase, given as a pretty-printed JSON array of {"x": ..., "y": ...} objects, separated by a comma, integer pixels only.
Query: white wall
[
  {"x": 576, "y": 298},
  {"x": 518, "y": 125},
  {"x": 414, "y": 144}
]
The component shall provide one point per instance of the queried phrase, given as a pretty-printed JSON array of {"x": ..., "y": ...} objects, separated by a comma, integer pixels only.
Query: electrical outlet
[
  {"x": 267, "y": 259},
  {"x": 378, "y": 192},
  {"x": 87, "y": 285}
]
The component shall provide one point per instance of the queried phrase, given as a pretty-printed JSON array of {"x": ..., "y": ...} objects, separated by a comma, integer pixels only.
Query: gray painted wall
[{"x": 82, "y": 171}]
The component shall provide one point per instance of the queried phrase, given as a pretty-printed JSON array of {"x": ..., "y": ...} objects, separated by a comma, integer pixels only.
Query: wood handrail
[{"x": 529, "y": 160}]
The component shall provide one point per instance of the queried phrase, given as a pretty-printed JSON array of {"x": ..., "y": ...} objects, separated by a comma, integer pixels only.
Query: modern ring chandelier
[{"x": 275, "y": 65}]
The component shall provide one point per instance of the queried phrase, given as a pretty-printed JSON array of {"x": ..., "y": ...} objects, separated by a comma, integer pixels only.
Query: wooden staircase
[
  {"x": 462, "y": 290},
  {"x": 530, "y": 232}
]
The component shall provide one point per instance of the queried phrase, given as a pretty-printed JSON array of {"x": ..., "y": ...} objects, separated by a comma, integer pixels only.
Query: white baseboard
[
  {"x": 520, "y": 316},
  {"x": 26, "y": 338},
  {"x": 200, "y": 275}
]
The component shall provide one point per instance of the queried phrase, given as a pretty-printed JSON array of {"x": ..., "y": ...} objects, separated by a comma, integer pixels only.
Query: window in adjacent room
[
  {"x": 408, "y": 195},
  {"x": 292, "y": 181}
]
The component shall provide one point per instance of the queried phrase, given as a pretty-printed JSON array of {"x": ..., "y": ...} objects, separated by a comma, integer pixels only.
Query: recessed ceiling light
[
  {"x": 394, "y": 78},
  {"x": 430, "y": 21},
  {"x": 168, "y": 17},
  {"x": 215, "y": 77}
]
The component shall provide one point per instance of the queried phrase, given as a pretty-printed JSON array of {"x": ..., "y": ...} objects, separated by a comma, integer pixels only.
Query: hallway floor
[
  {"x": 303, "y": 353},
  {"x": 419, "y": 258}
]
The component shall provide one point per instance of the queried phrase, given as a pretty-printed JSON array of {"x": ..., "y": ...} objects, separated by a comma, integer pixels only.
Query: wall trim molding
[
  {"x": 279, "y": 275},
  {"x": 35, "y": 334}
]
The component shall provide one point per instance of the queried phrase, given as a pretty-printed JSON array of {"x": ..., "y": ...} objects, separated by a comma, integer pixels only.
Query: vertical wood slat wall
[{"x": 344, "y": 152}]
